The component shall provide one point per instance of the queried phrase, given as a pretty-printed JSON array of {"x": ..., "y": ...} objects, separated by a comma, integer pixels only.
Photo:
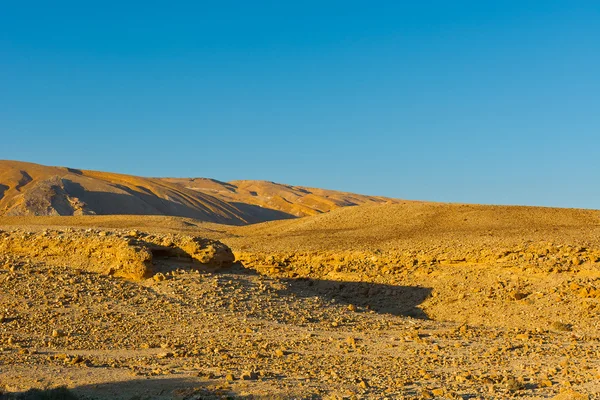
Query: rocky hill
[
  {"x": 295, "y": 201},
  {"x": 28, "y": 189}
]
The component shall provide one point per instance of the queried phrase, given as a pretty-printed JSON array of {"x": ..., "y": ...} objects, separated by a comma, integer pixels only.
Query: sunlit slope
[
  {"x": 294, "y": 201},
  {"x": 28, "y": 189},
  {"x": 414, "y": 225}
]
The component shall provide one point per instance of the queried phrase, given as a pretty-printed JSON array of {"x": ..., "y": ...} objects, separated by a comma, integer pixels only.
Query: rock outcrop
[{"x": 132, "y": 255}]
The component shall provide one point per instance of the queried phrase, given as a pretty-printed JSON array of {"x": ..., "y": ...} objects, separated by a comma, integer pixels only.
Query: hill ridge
[{"x": 31, "y": 189}]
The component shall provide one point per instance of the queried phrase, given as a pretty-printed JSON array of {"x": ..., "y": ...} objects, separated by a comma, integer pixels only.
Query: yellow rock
[{"x": 571, "y": 395}]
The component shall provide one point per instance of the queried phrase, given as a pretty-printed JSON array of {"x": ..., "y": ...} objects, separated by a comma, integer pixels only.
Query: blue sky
[{"x": 460, "y": 101}]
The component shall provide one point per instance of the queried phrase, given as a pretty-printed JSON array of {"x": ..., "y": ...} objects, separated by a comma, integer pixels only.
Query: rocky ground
[
  {"x": 193, "y": 334},
  {"x": 482, "y": 319}
]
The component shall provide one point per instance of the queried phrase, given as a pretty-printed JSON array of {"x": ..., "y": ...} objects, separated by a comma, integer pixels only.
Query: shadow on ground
[
  {"x": 261, "y": 214},
  {"x": 3, "y": 189},
  {"x": 138, "y": 389},
  {"x": 381, "y": 298}
]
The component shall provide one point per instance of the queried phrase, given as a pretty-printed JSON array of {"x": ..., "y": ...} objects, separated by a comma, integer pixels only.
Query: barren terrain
[
  {"x": 28, "y": 189},
  {"x": 413, "y": 300}
]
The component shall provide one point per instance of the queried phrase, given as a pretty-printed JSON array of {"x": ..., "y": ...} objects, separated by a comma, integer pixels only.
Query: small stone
[
  {"x": 58, "y": 333},
  {"x": 571, "y": 395},
  {"x": 279, "y": 353},
  {"x": 512, "y": 384},
  {"x": 229, "y": 378},
  {"x": 249, "y": 376},
  {"x": 545, "y": 383},
  {"x": 519, "y": 295},
  {"x": 522, "y": 336},
  {"x": 75, "y": 360},
  {"x": 560, "y": 326}
]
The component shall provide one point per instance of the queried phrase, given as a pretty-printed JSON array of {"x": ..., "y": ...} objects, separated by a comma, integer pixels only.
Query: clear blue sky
[{"x": 461, "y": 101}]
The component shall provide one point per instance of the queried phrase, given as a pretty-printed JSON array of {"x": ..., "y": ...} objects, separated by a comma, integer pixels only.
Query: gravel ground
[{"x": 193, "y": 334}]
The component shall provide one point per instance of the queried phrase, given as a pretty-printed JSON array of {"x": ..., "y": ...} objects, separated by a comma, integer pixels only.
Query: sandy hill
[
  {"x": 416, "y": 225},
  {"x": 28, "y": 189},
  {"x": 296, "y": 201},
  {"x": 388, "y": 227}
]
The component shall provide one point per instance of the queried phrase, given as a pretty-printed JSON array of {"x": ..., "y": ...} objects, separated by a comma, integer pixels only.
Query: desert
[
  {"x": 382, "y": 299},
  {"x": 299, "y": 200}
]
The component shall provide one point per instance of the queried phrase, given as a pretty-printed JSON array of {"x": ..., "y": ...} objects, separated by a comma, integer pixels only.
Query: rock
[
  {"x": 206, "y": 251},
  {"x": 512, "y": 385},
  {"x": 249, "y": 376},
  {"x": 522, "y": 336},
  {"x": 560, "y": 326},
  {"x": 56, "y": 333},
  {"x": 571, "y": 395},
  {"x": 519, "y": 295},
  {"x": 545, "y": 383},
  {"x": 134, "y": 255},
  {"x": 279, "y": 353}
]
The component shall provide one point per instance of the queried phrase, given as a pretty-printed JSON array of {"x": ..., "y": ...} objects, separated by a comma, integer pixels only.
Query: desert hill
[
  {"x": 419, "y": 225},
  {"x": 385, "y": 227},
  {"x": 28, "y": 189},
  {"x": 296, "y": 201}
]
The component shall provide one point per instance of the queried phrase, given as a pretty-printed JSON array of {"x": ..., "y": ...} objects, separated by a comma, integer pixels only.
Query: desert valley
[{"x": 115, "y": 286}]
